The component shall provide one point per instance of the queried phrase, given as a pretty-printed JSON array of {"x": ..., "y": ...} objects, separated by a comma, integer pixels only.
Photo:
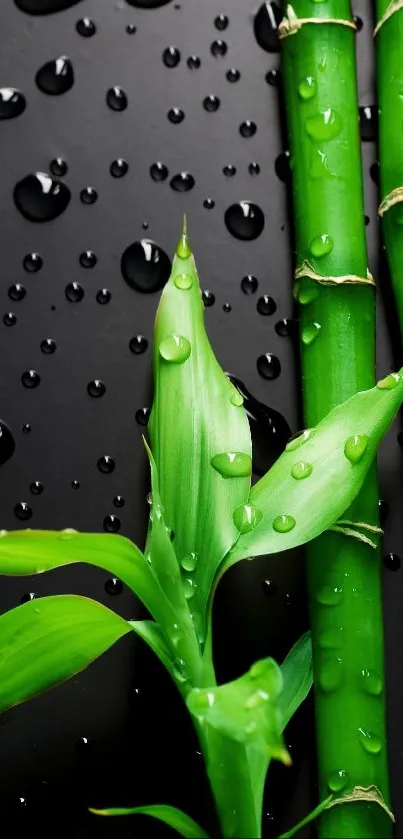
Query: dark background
[{"x": 118, "y": 734}]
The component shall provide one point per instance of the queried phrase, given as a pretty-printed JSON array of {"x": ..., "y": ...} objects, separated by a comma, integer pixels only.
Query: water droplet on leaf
[
  {"x": 232, "y": 464},
  {"x": 247, "y": 517},
  {"x": 307, "y": 88},
  {"x": 283, "y": 524},
  {"x": 355, "y": 447},
  {"x": 175, "y": 348}
]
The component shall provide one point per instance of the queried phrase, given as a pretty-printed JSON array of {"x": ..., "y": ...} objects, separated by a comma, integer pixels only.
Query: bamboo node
[
  {"x": 393, "y": 7},
  {"x": 291, "y": 23},
  {"x": 393, "y": 197},
  {"x": 370, "y": 794},
  {"x": 306, "y": 270}
]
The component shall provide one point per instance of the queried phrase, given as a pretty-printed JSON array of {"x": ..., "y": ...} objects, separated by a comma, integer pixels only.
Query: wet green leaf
[
  {"x": 175, "y": 818},
  {"x": 297, "y": 677}
]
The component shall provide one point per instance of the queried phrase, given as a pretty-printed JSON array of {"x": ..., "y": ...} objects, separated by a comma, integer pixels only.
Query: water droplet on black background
[
  {"x": 249, "y": 284},
  {"x": 113, "y": 586},
  {"x": 244, "y": 220},
  {"x": 23, "y": 511},
  {"x": 103, "y": 296},
  {"x": 368, "y": 123},
  {"x": 287, "y": 328},
  {"x": 273, "y": 77},
  {"x": 138, "y": 344},
  {"x": 208, "y": 298},
  {"x": 229, "y": 170},
  {"x": 40, "y": 197},
  {"x": 182, "y": 182},
  {"x": 26, "y": 598},
  {"x": 158, "y": 171},
  {"x": 254, "y": 168},
  {"x": 88, "y": 259},
  {"x": 119, "y": 167},
  {"x": 265, "y": 26},
  {"x": 74, "y": 292},
  {"x": 266, "y": 305},
  {"x": 116, "y": 98},
  {"x": 145, "y": 266},
  {"x": 58, "y": 167},
  {"x": 268, "y": 366},
  {"x": 9, "y": 319},
  {"x": 171, "y": 57},
  {"x": 233, "y": 75},
  {"x": 247, "y": 128},
  {"x": 56, "y": 76},
  {"x": 211, "y": 103},
  {"x": 48, "y": 346},
  {"x": 36, "y": 487},
  {"x": 112, "y": 525},
  {"x": 12, "y": 102},
  {"x": 176, "y": 115},
  {"x": 221, "y": 22},
  {"x": 131, "y": 29},
  {"x": 44, "y": 7},
  {"x": 88, "y": 195},
  {"x": 106, "y": 464},
  {"x": 96, "y": 388},
  {"x": 208, "y": 203},
  {"x": 7, "y": 442},
  {"x": 86, "y": 27},
  {"x": 142, "y": 416},
  {"x": 219, "y": 48},
  {"x": 32, "y": 262},
  {"x": 392, "y": 562},
  {"x": 30, "y": 378},
  {"x": 119, "y": 501},
  {"x": 193, "y": 62},
  {"x": 17, "y": 292},
  {"x": 282, "y": 167}
]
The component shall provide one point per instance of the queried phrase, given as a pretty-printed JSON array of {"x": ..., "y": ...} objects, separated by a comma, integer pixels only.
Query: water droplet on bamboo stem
[
  {"x": 370, "y": 742},
  {"x": 330, "y": 674},
  {"x": 310, "y": 333},
  {"x": 337, "y": 781},
  {"x": 325, "y": 125},
  {"x": 321, "y": 245},
  {"x": 330, "y": 595},
  {"x": 371, "y": 681},
  {"x": 299, "y": 439},
  {"x": 307, "y": 87}
]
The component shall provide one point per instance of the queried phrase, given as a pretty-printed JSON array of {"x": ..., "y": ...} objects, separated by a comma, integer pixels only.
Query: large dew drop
[
  {"x": 325, "y": 125},
  {"x": 232, "y": 464},
  {"x": 310, "y": 333},
  {"x": 175, "y": 349},
  {"x": 145, "y": 266},
  {"x": 301, "y": 470},
  {"x": 283, "y": 523},
  {"x": 39, "y": 197},
  {"x": 247, "y": 517},
  {"x": 355, "y": 447},
  {"x": 244, "y": 220},
  {"x": 370, "y": 742},
  {"x": 321, "y": 245},
  {"x": 337, "y": 781},
  {"x": 56, "y": 76},
  {"x": 12, "y": 102}
]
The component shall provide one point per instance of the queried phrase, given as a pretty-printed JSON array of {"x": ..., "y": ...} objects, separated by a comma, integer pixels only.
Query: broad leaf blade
[
  {"x": 46, "y": 641},
  {"x": 297, "y": 677},
  {"x": 334, "y": 460},
  {"x": 175, "y": 818},
  {"x": 192, "y": 421}
]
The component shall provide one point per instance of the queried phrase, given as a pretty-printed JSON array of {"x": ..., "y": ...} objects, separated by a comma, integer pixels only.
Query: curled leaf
[{"x": 175, "y": 818}]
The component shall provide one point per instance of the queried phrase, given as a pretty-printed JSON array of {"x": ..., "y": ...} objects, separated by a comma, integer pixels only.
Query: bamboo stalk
[{"x": 337, "y": 331}]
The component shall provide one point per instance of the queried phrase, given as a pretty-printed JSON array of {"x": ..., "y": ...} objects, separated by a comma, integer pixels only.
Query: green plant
[
  {"x": 204, "y": 517},
  {"x": 336, "y": 301}
]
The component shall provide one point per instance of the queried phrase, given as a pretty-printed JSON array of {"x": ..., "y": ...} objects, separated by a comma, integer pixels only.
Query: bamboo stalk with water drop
[{"x": 336, "y": 302}]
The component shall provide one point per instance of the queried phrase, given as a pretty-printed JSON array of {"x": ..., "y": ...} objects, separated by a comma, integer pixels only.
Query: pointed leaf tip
[{"x": 183, "y": 249}]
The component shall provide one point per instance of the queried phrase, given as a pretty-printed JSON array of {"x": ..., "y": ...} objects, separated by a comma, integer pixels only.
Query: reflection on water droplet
[
  {"x": 227, "y": 307},
  {"x": 88, "y": 195},
  {"x": 266, "y": 305},
  {"x": 114, "y": 585},
  {"x": 30, "y": 379},
  {"x": 119, "y": 501},
  {"x": 7, "y": 442},
  {"x": 44, "y": 7},
  {"x": 389, "y": 382},
  {"x": 183, "y": 281},
  {"x": 370, "y": 742},
  {"x": 106, "y": 464},
  {"x": 26, "y": 598},
  {"x": 131, "y": 29},
  {"x": 282, "y": 167},
  {"x": 355, "y": 447},
  {"x": 17, "y": 292},
  {"x": 232, "y": 464},
  {"x": 211, "y": 103},
  {"x": 176, "y": 115},
  {"x": 74, "y": 292},
  {"x": 325, "y": 125},
  {"x": 268, "y": 366},
  {"x": 265, "y": 26},
  {"x": 330, "y": 674},
  {"x": 182, "y": 182},
  {"x": 189, "y": 562},
  {"x": 299, "y": 439},
  {"x": 26, "y": 428},
  {"x": 249, "y": 284},
  {"x": 287, "y": 327},
  {"x": 36, "y": 487},
  {"x": 301, "y": 470},
  {"x": 330, "y": 595},
  {"x": 119, "y": 168},
  {"x": 189, "y": 587},
  {"x": 310, "y": 333},
  {"x": 219, "y": 48},
  {"x": 247, "y": 517},
  {"x": 39, "y": 197},
  {"x": 112, "y": 525},
  {"x": 283, "y": 523},
  {"x": 368, "y": 123},
  {"x": 371, "y": 682},
  {"x": 171, "y": 56},
  {"x": 244, "y": 220},
  {"x": 158, "y": 171},
  {"x": 208, "y": 203},
  {"x": 193, "y": 62},
  {"x": 96, "y": 388},
  {"x": 358, "y": 22},
  {"x": 221, "y": 22},
  {"x": 116, "y": 98},
  {"x": 145, "y": 266},
  {"x": 175, "y": 348},
  {"x": 337, "y": 781},
  {"x": 269, "y": 587},
  {"x": 86, "y": 27},
  {"x": 22, "y": 511},
  {"x": 103, "y": 296},
  {"x": 208, "y": 298},
  {"x": 12, "y": 102},
  {"x": 392, "y": 562},
  {"x": 233, "y": 75},
  {"x": 32, "y": 262},
  {"x": 56, "y": 76},
  {"x": 321, "y": 245},
  {"x": 247, "y": 128},
  {"x": 236, "y": 399},
  {"x": 48, "y": 346}
]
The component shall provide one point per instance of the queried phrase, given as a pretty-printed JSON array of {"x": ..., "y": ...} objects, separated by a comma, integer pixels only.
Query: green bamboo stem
[
  {"x": 337, "y": 330},
  {"x": 389, "y": 48}
]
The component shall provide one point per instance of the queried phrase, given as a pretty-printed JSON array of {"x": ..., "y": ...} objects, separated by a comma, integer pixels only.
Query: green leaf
[
  {"x": 169, "y": 815},
  {"x": 46, "y": 641},
  {"x": 246, "y": 710},
  {"x": 310, "y": 818},
  {"x": 199, "y": 431},
  {"x": 319, "y": 474},
  {"x": 297, "y": 677}
]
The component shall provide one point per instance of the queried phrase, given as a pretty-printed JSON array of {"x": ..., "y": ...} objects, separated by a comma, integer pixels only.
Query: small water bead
[
  {"x": 131, "y": 29},
  {"x": 116, "y": 98},
  {"x": 249, "y": 284},
  {"x": 182, "y": 182},
  {"x": 247, "y": 128},
  {"x": 371, "y": 682},
  {"x": 229, "y": 170},
  {"x": 142, "y": 416},
  {"x": 189, "y": 587},
  {"x": 55, "y": 77},
  {"x": 368, "y": 123},
  {"x": 111, "y": 524},
  {"x": 268, "y": 366},
  {"x": 119, "y": 501},
  {"x": 26, "y": 428},
  {"x": 358, "y": 22},
  {"x": 96, "y": 388},
  {"x": 370, "y": 742},
  {"x": 28, "y": 597},
  {"x": 30, "y": 379},
  {"x": 176, "y": 115},
  {"x": 321, "y": 245},
  {"x": 113, "y": 586},
  {"x": 269, "y": 587},
  {"x": 183, "y": 281},
  {"x": 88, "y": 259},
  {"x": 40, "y": 198},
  {"x": 17, "y": 292},
  {"x": 211, "y": 103},
  {"x": 307, "y": 88},
  {"x": 265, "y": 26},
  {"x": 331, "y": 674},
  {"x": 310, "y": 333},
  {"x": 330, "y": 595},
  {"x": 86, "y": 27},
  {"x": 266, "y": 305},
  {"x": 145, "y": 266},
  {"x": 254, "y": 168},
  {"x": 75, "y": 484},
  {"x": 244, "y": 220},
  {"x": 337, "y": 781},
  {"x": 227, "y": 307},
  {"x": 189, "y": 562},
  {"x": 286, "y": 328},
  {"x": 282, "y": 166},
  {"x": 306, "y": 291},
  {"x": 36, "y": 487},
  {"x": 48, "y": 346},
  {"x": 219, "y": 48},
  {"x": 236, "y": 398},
  {"x": 374, "y": 172},
  {"x": 325, "y": 125},
  {"x": 22, "y": 511},
  {"x": 106, "y": 464},
  {"x": 232, "y": 464},
  {"x": 193, "y": 62},
  {"x": 383, "y": 508},
  {"x": 138, "y": 344},
  {"x": 175, "y": 349},
  {"x": 233, "y": 75},
  {"x": 58, "y": 166},
  {"x": 389, "y": 382},
  {"x": 171, "y": 56},
  {"x": 299, "y": 439},
  {"x": 88, "y": 195},
  {"x": 392, "y": 562},
  {"x": 283, "y": 523},
  {"x": 74, "y": 292},
  {"x": 247, "y": 517},
  {"x": 32, "y": 262},
  {"x": 119, "y": 168},
  {"x": 331, "y": 639},
  {"x": 301, "y": 470},
  {"x": 273, "y": 77},
  {"x": 208, "y": 203},
  {"x": 183, "y": 250},
  {"x": 159, "y": 171},
  {"x": 7, "y": 443},
  {"x": 355, "y": 447},
  {"x": 12, "y": 103},
  {"x": 208, "y": 298},
  {"x": 221, "y": 22}
]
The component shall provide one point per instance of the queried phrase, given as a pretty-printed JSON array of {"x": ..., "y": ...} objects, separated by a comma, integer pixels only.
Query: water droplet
[
  {"x": 176, "y": 115},
  {"x": 138, "y": 344},
  {"x": 273, "y": 77},
  {"x": 370, "y": 742},
  {"x": 39, "y": 197},
  {"x": 74, "y": 292},
  {"x": 113, "y": 586},
  {"x": 142, "y": 416},
  {"x": 283, "y": 524},
  {"x": 371, "y": 682},
  {"x": 7, "y": 443},
  {"x": 182, "y": 182},
  {"x": 44, "y": 7},
  {"x": 269, "y": 587},
  {"x": 58, "y": 166},
  {"x": 268, "y": 366},
  {"x": 189, "y": 562},
  {"x": 355, "y": 447},
  {"x": 36, "y": 487},
  {"x": 211, "y": 103},
  {"x": 183, "y": 281},
  {"x": 32, "y": 262},
  {"x": 254, "y": 168},
  {"x": 171, "y": 56},
  {"x": 232, "y": 464},
  {"x": 75, "y": 484},
  {"x": 247, "y": 128},
  {"x": 12, "y": 102},
  {"x": 175, "y": 348},
  {"x": 368, "y": 123},
  {"x": 249, "y": 284},
  {"x": 17, "y": 292},
  {"x": 331, "y": 639},
  {"x": 86, "y": 27},
  {"x": 233, "y": 75},
  {"x": 389, "y": 382},
  {"x": 88, "y": 195},
  {"x": 111, "y": 524},
  {"x": 286, "y": 328},
  {"x": 131, "y": 29},
  {"x": 358, "y": 22},
  {"x": 265, "y": 26},
  {"x": 229, "y": 170},
  {"x": 158, "y": 171},
  {"x": 221, "y": 22},
  {"x": 301, "y": 470},
  {"x": 193, "y": 62},
  {"x": 26, "y": 428},
  {"x": 208, "y": 203},
  {"x": 119, "y": 168},
  {"x": 96, "y": 388},
  {"x": 106, "y": 464},
  {"x": 56, "y": 76},
  {"x": 374, "y": 172},
  {"x": 266, "y": 305},
  {"x": 337, "y": 781},
  {"x": 116, "y": 98},
  {"x": 383, "y": 507},
  {"x": 330, "y": 595},
  {"x": 325, "y": 125},
  {"x": 307, "y": 87},
  {"x": 331, "y": 674},
  {"x": 88, "y": 259},
  {"x": 282, "y": 167},
  {"x": 189, "y": 587},
  {"x": 30, "y": 379},
  {"x": 321, "y": 245},
  {"x": 219, "y": 48},
  {"x": 28, "y": 597},
  {"x": 247, "y": 517},
  {"x": 299, "y": 439},
  {"x": 22, "y": 511},
  {"x": 145, "y": 266},
  {"x": 244, "y": 220},
  {"x": 392, "y": 562},
  {"x": 227, "y": 307},
  {"x": 236, "y": 398},
  {"x": 103, "y": 296},
  {"x": 48, "y": 346},
  {"x": 310, "y": 333}
]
